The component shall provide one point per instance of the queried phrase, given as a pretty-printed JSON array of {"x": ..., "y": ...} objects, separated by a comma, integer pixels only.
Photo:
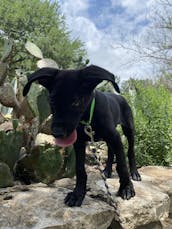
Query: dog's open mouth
[{"x": 65, "y": 142}]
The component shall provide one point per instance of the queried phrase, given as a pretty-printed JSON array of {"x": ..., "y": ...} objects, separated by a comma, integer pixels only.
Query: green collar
[{"x": 91, "y": 113}]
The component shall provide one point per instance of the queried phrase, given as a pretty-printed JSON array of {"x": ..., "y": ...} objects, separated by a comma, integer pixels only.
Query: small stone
[
  {"x": 8, "y": 197},
  {"x": 24, "y": 189},
  {"x": 43, "y": 139}
]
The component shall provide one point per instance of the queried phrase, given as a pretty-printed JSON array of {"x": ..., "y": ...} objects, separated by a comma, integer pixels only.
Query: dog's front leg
[{"x": 76, "y": 197}]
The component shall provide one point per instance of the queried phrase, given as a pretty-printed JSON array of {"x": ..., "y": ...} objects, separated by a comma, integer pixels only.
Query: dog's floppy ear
[
  {"x": 45, "y": 77},
  {"x": 96, "y": 75}
]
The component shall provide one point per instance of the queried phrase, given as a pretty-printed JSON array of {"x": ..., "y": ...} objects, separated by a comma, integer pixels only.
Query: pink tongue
[{"x": 64, "y": 142}]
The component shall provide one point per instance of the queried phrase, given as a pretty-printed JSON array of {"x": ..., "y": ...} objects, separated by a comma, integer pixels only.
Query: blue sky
[{"x": 104, "y": 25}]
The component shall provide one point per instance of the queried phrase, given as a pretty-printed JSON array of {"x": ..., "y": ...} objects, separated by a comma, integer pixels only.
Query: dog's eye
[{"x": 76, "y": 103}]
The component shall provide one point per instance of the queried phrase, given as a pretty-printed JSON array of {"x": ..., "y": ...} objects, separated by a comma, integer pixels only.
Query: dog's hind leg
[
  {"x": 112, "y": 138},
  {"x": 129, "y": 133},
  {"x": 109, "y": 162}
]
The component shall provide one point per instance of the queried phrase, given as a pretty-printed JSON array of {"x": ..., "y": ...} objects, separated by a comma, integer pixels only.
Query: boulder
[
  {"x": 152, "y": 203},
  {"x": 42, "y": 206}
]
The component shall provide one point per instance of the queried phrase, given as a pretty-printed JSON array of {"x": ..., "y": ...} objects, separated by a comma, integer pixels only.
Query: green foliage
[
  {"x": 152, "y": 108},
  {"x": 40, "y": 22},
  {"x": 166, "y": 80}
]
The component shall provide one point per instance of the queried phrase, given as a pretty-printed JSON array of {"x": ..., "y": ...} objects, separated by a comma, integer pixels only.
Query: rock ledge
[{"x": 41, "y": 207}]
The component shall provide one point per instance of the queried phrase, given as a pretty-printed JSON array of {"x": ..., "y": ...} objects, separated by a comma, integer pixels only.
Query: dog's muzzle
[{"x": 58, "y": 132}]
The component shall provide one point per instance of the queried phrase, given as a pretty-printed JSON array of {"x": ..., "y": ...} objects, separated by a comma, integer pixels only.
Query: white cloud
[
  {"x": 86, "y": 30},
  {"x": 75, "y": 8},
  {"x": 121, "y": 27},
  {"x": 133, "y": 5}
]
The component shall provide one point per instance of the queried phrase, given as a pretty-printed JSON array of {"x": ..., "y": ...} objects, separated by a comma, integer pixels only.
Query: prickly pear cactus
[
  {"x": 49, "y": 165},
  {"x": 45, "y": 62},
  {"x": 11, "y": 143},
  {"x": 43, "y": 105},
  {"x": 33, "y": 49},
  {"x": 34, "y": 92},
  {"x": 3, "y": 70},
  {"x": 46, "y": 163},
  {"x": 69, "y": 162},
  {"x": 6, "y": 178},
  {"x": 45, "y": 126},
  {"x": 43, "y": 164},
  {"x": 37, "y": 101},
  {"x": 8, "y": 46},
  {"x": 7, "y": 96}
]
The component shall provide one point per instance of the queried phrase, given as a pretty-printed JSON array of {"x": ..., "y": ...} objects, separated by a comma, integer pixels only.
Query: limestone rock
[
  {"x": 6, "y": 126},
  {"x": 42, "y": 139},
  {"x": 42, "y": 207}
]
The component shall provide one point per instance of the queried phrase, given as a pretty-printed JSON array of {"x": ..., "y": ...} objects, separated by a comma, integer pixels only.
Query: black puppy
[{"x": 71, "y": 93}]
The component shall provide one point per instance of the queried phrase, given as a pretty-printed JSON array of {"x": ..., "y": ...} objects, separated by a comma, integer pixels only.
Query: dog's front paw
[
  {"x": 126, "y": 192},
  {"x": 74, "y": 198}
]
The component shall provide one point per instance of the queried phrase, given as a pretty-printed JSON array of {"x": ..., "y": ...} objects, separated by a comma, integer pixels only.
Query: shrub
[{"x": 152, "y": 108}]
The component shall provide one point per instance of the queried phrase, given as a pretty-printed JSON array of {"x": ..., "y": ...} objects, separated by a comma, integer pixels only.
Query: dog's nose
[{"x": 58, "y": 132}]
